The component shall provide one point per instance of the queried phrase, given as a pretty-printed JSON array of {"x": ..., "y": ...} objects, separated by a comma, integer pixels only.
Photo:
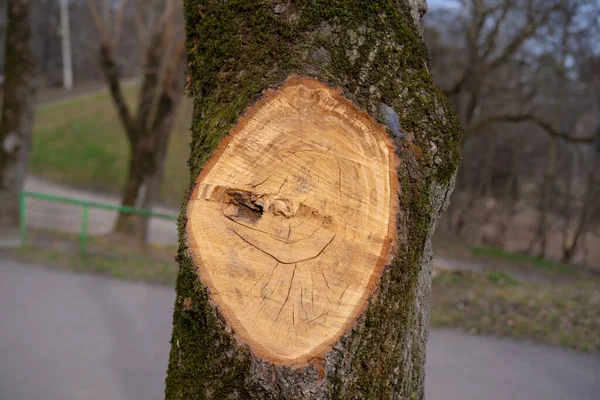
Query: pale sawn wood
[{"x": 293, "y": 218}]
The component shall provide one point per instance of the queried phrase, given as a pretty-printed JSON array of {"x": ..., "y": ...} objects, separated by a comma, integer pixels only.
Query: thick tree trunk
[
  {"x": 138, "y": 193},
  {"x": 547, "y": 188},
  {"x": 17, "y": 116},
  {"x": 589, "y": 202},
  {"x": 149, "y": 151},
  {"x": 322, "y": 157},
  {"x": 65, "y": 38},
  {"x": 146, "y": 170},
  {"x": 148, "y": 134}
]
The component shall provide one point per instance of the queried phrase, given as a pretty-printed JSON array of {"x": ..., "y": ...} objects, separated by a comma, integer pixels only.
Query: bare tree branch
[
  {"x": 119, "y": 23},
  {"x": 519, "y": 118},
  {"x": 142, "y": 28},
  {"x": 108, "y": 63},
  {"x": 159, "y": 60},
  {"x": 111, "y": 73},
  {"x": 492, "y": 36},
  {"x": 527, "y": 31},
  {"x": 101, "y": 26}
]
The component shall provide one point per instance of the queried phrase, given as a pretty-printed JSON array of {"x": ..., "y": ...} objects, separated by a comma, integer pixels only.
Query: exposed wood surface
[
  {"x": 293, "y": 218},
  {"x": 306, "y": 163}
]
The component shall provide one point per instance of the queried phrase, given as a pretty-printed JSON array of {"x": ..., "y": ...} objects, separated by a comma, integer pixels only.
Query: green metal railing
[{"x": 85, "y": 205}]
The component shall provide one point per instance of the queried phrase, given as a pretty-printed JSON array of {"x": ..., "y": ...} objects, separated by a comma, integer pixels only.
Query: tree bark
[
  {"x": 243, "y": 55},
  {"x": 17, "y": 116}
]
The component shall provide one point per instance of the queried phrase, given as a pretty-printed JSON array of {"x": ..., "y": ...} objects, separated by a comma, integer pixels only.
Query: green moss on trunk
[{"x": 372, "y": 50}]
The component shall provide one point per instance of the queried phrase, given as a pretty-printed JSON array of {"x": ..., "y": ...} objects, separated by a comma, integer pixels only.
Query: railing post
[
  {"x": 24, "y": 195},
  {"x": 22, "y": 217},
  {"x": 83, "y": 234}
]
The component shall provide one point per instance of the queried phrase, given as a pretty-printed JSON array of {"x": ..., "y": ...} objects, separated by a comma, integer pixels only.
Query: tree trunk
[
  {"x": 545, "y": 199},
  {"x": 589, "y": 200},
  {"x": 146, "y": 170},
  {"x": 138, "y": 193},
  {"x": 322, "y": 157},
  {"x": 149, "y": 142},
  {"x": 17, "y": 116},
  {"x": 65, "y": 38},
  {"x": 149, "y": 129}
]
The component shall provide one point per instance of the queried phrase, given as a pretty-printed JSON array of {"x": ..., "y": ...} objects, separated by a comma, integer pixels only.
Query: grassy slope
[
  {"x": 81, "y": 143},
  {"x": 112, "y": 255},
  {"x": 565, "y": 314},
  {"x": 517, "y": 296}
]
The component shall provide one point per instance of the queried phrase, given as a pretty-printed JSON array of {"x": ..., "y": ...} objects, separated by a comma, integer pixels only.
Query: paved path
[
  {"x": 465, "y": 367},
  {"x": 67, "y": 218},
  {"x": 83, "y": 337}
]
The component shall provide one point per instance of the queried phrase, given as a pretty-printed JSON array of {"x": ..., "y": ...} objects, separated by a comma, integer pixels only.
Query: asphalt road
[{"x": 66, "y": 337}]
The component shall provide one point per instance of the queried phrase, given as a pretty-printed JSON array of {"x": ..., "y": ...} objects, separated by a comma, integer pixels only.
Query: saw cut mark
[{"x": 293, "y": 218}]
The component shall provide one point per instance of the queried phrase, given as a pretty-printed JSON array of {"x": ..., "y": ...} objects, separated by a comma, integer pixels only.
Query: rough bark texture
[
  {"x": 17, "y": 114},
  {"x": 373, "y": 52}
]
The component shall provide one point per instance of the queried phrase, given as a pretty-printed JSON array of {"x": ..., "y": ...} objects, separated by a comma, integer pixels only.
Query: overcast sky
[{"x": 439, "y": 3}]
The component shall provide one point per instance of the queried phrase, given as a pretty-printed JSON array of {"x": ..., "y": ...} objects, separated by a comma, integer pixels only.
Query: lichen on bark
[{"x": 373, "y": 52}]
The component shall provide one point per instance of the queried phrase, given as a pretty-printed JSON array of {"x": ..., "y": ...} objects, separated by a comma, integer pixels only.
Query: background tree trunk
[
  {"x": 17, "y": 115},
  {"x": 149, "y": 140},
  {"x": 65, "y": 37},
  {"x": 149, "y": 128},
  {"x": 373, "y": 53},
  {"x": 146, "y": 170}
]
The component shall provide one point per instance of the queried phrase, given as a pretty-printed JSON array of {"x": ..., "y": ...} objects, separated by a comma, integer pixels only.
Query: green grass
[
  {"x": 144, "y": 269},
  {"x": 449, "y": 246},
  {"x": 112, "y": 256},
  {"x": 493, "y": 303},
  {"x": 500, "y": 278},
  {"x": 81, "y": 143},
  {"x": 515, "y": 258}
]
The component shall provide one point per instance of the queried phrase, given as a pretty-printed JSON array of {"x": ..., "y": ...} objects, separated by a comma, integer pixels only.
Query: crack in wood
[
  {"x": 339, "y": 177},
  {"x": 289, "y": 291},
  {"x": 312, "y": 291},
  {"x": 326, "y": 282},
  {"x": 342, "y": 295},
  {"x": 283, "y": 184},
  {"x": 256, "y": 283},
  {"x": 277, "y": 259},
  {"x": 260, "y": 183},
  {"x": 270, "y": 276},
  {"x": 271, "y": 235}
]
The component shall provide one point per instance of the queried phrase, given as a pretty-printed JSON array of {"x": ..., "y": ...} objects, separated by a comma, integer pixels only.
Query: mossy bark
[
  {"x": 373, "y": 51},
  {"x": 17, "y": 115}
]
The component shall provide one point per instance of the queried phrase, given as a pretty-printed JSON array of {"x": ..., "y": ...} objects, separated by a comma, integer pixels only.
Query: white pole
[{"x": 65, "y": 35}]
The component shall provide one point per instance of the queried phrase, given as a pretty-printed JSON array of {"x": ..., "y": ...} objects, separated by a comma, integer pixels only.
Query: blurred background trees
[
  {"x": 523, "y": 75},
  {"x": 160, "y": 40},
  {"x": 86, "y": 42}
]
